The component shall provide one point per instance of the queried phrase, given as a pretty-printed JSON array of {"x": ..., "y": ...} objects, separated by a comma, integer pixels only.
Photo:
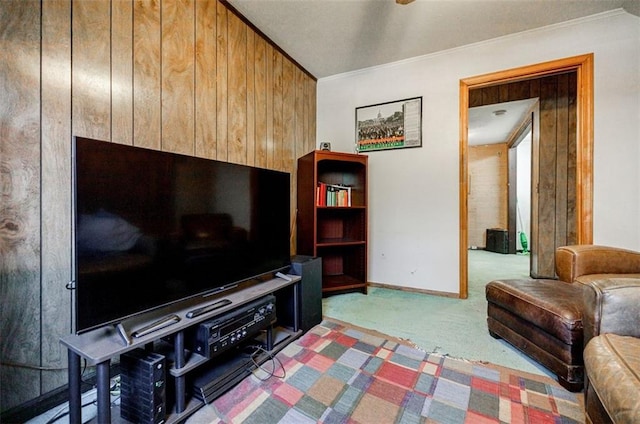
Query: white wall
[
  {"x": 523, "y": 189},
  {"x": 413, "y": 193}
]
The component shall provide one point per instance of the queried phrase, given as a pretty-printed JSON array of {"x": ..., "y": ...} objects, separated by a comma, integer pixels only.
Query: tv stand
[{"x": 101, "y": 345}]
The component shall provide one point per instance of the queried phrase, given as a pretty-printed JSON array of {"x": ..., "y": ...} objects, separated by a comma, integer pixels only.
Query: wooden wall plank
[
  {"x": 237, "y": 90},
  {"x": 20, "y": 154},
  {"x": 270, "y": 144},
  {"x": 547, "y": 180},
  {"x": 251, "y": 95},
  {"x": 307, "y": 118},
  {"x": 536, "y": 225},
  {"x": 91, "y": 69},
  {"x": 178, "y": 73},
  {"x": 56, "y": 181},
  {"x": 288, "y": 118},
  {"x": 122, "y": 71},
  {"x": 504, "y": 92},
  {"x": 310, "y": 114},
  {"x": 275, "y": 157},
  {"x": 562, "y": 156},
  {"x": 534, "y": 88},
  {"x": 475, "y": 97},
  {"x": 519, "y": 90},
  {"x": 491, "y": 95},
  {"x": 205, "y": 79},
  {"x": 222, "y": 83},
  {"x": 299, "y": 136},
  {"x": 572, "y": 153},
  {"x": 147, "y": 82},
  {"x": 535, "y": 178},
  {"x": 260, "y": 70}
]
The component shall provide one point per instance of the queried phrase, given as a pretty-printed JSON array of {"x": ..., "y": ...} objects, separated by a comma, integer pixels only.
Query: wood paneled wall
[
  {"x": 488, "y": 185},
  {"x": 556, "y": 223},
  {"x": 186, "y": 76}
]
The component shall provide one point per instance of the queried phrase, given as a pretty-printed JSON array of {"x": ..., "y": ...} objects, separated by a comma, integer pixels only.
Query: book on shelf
[{"x": 337, "y": 195}]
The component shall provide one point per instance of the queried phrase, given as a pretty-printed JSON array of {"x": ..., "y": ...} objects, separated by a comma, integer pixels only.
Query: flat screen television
[{"x": 153, "y": 228}]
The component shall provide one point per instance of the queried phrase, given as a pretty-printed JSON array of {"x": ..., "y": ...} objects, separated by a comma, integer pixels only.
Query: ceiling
[
  {"x": 495, "y": 123},
  {"x": 328, "y": 37}
]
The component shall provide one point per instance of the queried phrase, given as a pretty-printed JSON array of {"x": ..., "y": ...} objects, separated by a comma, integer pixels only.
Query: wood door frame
[{"x": 583, "y": 65}]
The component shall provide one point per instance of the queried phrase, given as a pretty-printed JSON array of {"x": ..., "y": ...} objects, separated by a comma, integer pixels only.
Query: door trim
[{"x": 583, "y": 65}]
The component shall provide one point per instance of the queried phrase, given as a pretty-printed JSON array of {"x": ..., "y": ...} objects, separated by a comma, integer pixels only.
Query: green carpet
[
  {"x": 442, "y": 325},
  {"x": 338, "y": 373}
]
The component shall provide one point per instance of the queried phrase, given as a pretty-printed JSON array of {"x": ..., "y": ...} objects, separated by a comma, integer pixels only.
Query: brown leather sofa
[
  {"x": 544, "y": 318},
  {"x": 612, "y": 354}
]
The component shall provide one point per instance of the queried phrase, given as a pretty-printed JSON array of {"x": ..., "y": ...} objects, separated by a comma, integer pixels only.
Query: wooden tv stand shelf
[{"x": 98, "y": 347}]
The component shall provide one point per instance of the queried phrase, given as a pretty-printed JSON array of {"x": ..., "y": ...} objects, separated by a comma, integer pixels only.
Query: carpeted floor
[
  {"x": 443, "y": 325},
  {"x": 338, "y": 373}
]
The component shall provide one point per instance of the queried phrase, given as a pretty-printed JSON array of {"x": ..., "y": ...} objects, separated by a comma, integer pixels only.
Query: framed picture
[{"x": 391, "y": 125}]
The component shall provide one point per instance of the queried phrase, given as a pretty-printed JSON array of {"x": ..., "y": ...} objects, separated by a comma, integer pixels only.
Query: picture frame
[{"x": 389, "y": 126}]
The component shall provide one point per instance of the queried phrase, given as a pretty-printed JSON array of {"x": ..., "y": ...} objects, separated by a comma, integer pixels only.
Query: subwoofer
[{"x": 310, "y": 293}]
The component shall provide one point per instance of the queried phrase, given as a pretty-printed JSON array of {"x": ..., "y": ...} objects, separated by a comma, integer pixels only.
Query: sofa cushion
[
  {"x": 612, "y": 364},
  {"x": 589, "y": 278},
  {"x": 612, "y": 305},
  {"x": 554, "y": 306}
]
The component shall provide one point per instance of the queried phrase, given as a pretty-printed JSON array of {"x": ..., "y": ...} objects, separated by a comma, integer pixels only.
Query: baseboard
[{"x": 415, "y": 290}]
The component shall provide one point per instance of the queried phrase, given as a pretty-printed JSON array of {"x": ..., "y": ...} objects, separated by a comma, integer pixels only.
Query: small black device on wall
[{"x": 310, "y": 293}]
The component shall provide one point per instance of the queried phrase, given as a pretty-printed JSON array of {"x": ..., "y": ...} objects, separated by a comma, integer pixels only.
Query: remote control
[
  {"x": 157, "y": 325},
  {"x": 283, "y": 276},
  {"x": 219, "y": 304}
]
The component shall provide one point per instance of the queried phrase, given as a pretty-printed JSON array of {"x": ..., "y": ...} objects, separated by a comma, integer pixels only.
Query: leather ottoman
[
  {"x": 543, "y": 319},
  {"x": 612, "y": 364}
]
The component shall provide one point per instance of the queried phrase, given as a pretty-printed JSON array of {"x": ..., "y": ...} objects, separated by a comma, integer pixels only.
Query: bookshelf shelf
[
  {"x": 332, "y": 217},
  {"x": 335, "y": 283},
  {"x": 339, "y": 242}
]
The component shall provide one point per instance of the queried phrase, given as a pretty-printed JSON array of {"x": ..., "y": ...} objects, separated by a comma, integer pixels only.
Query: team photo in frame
[{"x": 390, "y": 125}]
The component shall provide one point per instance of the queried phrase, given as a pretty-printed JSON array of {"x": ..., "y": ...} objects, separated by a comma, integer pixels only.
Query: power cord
[
  {"x": 31, "y": 367},
  {"x": 274, "y": 361},
  {"x": 114, "y": 390}
]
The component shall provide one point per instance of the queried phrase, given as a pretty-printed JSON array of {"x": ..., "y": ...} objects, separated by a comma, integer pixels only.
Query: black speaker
[
  {"x": 497, "y": 240},
  {"x": 310, "y": 300}
]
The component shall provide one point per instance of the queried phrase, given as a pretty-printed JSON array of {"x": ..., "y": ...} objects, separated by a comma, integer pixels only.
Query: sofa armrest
[
  {"x": 574, "y": 261},
  {"x": 611, "y": 305}
]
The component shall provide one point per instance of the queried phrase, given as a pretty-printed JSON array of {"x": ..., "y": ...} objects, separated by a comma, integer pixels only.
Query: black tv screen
[{"x": 153, "y": 228}]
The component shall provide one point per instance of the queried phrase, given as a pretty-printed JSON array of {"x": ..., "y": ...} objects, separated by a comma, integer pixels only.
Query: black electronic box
[
  {"x": 143, "y": 391},
  {"x": 223, "y": 332}
]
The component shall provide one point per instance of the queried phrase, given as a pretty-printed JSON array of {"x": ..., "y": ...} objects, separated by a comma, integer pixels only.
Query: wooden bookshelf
[{"x": 334, "y": 226}]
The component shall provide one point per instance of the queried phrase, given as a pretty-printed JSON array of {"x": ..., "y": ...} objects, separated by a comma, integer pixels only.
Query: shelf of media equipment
[{"x": 242, "y": 329}]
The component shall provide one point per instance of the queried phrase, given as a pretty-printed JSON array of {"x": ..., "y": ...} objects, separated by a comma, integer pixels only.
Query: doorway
[
  {"x": 498, "y": 194},
  {"x": 583, "y": 181}
]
